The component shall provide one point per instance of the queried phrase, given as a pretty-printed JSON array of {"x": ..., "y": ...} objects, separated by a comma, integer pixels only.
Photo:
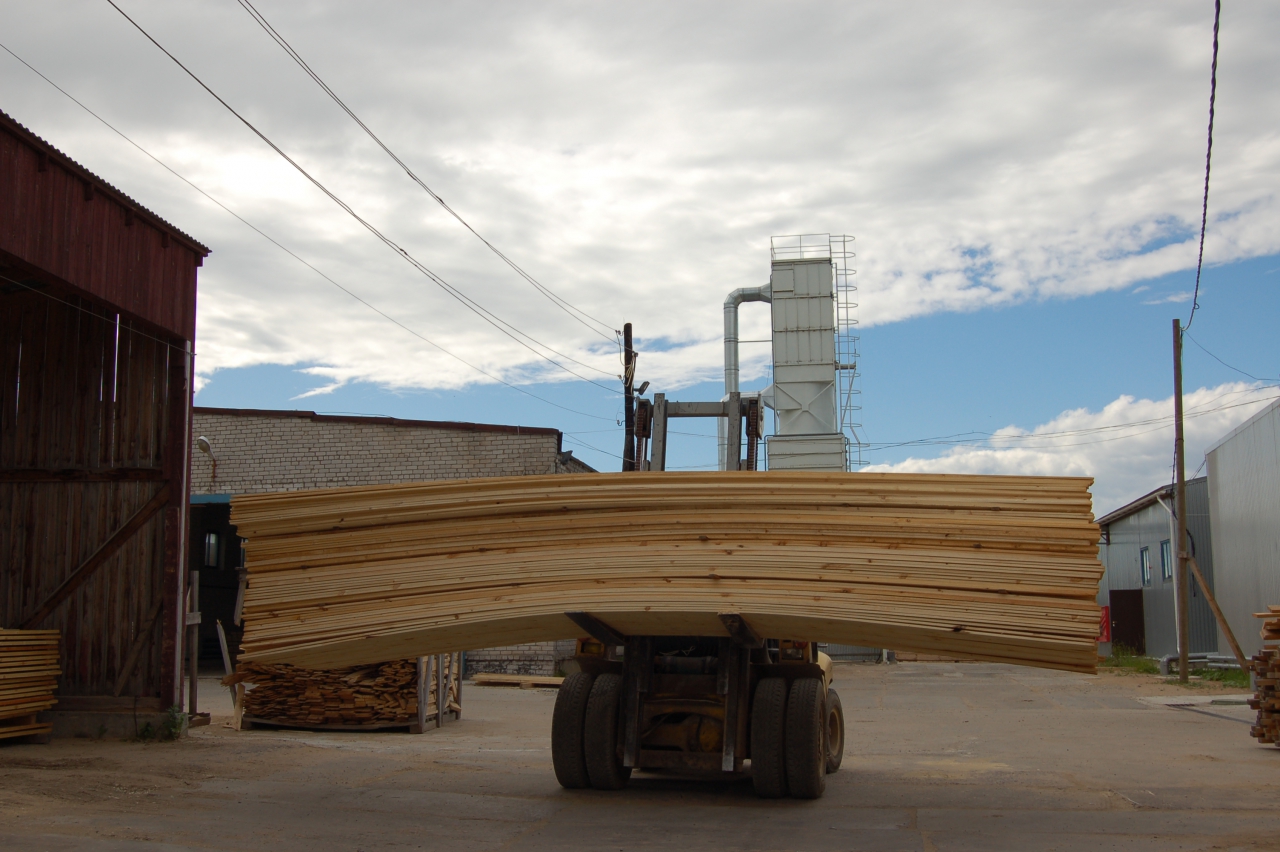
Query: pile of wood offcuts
[
  {"x": 988, "y": 567},
  {"x": 28, "y": 678},
  {"x": 374, "y": 695},
  {"x": 1266, "y": 670}
]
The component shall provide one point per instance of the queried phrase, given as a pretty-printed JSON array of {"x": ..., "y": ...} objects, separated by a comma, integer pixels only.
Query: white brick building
[{"x": 256, "y": 451}]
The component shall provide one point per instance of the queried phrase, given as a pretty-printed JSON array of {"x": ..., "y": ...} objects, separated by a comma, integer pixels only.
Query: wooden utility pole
[
  {"x": 1180, "y": 508},
  {"x": 628, "y": 378}
]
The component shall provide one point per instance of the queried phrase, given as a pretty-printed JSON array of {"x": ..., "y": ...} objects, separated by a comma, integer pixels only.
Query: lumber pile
[
  {"x": 374, "y": 695},
  {"x": 1266, "y": 670},
  {"x": 28, "y": 678},
  {"x": 990, "y": 567}
]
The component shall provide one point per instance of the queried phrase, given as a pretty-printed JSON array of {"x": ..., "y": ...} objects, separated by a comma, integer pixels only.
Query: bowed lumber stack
[
  {"x": 28, "y": 678},
  {"x": 1266, "y": 671},
  {"x": 988, "y": 567}
]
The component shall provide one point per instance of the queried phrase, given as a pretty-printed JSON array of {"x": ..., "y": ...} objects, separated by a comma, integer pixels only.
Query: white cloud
[
  {"x": 1119, "y": 446},
  {"x": 636, "y": 158}
]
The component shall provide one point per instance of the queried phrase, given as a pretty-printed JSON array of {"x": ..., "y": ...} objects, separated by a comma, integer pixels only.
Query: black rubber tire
[
  {"x": 600, "y": 738},
  {"x": 834, "y": 732},
  {"x": 567, "y": 725},
  {"x": 768, "y": 738},
  {"x": 806, "y": 739}
]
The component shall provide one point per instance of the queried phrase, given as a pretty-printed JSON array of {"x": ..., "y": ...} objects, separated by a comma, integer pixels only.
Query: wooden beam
[
  {"x": 596, "y": 628},
  {"x": 1217, "y": 613},
  {"x": 113, "y": 474},
  {"x": 108, "y": 549},
  {"x": 742, "y": 632}
]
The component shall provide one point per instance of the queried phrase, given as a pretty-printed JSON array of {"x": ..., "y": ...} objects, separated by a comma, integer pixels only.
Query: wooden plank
[{"x": 488, "y": 679}]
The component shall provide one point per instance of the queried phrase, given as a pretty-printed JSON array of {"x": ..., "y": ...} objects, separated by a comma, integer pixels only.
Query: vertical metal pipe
[
  {"x": 1180, "y": 496},
  {"x": 193, "y": 642},
  {"x": 628, "y": 376}
]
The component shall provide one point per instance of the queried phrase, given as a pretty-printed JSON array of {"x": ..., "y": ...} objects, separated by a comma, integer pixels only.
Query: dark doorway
[
  {"x": 1128, "y": 625},
  {"x": 216, "y": 553}
]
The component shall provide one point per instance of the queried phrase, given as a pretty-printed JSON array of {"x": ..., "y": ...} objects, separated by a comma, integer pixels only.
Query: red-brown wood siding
[
  {"x": 85, "y": 393},
  {"x": 74, "y": 226}
]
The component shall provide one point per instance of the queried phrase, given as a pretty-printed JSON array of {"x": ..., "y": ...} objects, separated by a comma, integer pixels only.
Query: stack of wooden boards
[
  {"x": 989, "y": 567},
  {"x": 28, "y": 678},
  {"x": 1266, "y": 671},
  {"x": 375, "y": 696}
]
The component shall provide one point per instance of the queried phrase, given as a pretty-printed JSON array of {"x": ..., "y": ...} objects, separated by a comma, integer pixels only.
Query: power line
[
  {"x": 564, "y": 305},
  {"x": 1219, "y": 360},
  {"x": 287, "y": 251},
  {"x": 1208, "y": 160},
  {"x": 497, "y": 322}
]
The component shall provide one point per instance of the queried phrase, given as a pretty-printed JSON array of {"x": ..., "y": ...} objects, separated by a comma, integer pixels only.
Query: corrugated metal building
[
  {"x": 1244, "y": 500},
  {"x": 97, "y": 323},
  {"x": 1138, "y": 587}
]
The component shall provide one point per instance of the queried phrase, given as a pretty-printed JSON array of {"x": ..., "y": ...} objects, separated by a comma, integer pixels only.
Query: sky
[{"x": 1024, "y": 183}]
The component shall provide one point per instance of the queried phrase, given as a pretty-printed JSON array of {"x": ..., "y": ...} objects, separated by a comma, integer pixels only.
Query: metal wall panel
[
  {"x": 1244, "y": 502},
  {"x": 1121, "y": 555}
]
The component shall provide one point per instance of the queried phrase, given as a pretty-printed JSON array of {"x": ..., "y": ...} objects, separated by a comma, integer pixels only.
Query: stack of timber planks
[
  {"x": 28, "y": 678},
  {"x": 377, "y": 695},
  {"x": 1266, "y": 671},
  {"x": 989, "y": 567}
]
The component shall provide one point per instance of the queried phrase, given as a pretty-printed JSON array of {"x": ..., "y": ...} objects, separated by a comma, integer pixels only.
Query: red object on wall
[{"x": 1104, "y": 625}]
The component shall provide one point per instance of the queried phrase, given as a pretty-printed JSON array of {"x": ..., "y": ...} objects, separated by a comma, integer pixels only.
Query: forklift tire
[
  {"x": 768, "y": 738},
  {"x": 567, "y": 726},
  {"x": 835, "y": 731},
  {"x": 601, "y": 748},
  {"x": 806, "y": 738}
]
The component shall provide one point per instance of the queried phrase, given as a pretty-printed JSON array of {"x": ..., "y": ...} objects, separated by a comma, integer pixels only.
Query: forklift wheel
[
  {"x": 600, "y": 742},
  {"x": 806, "y": 738},
  {"x": 768, "y": 738},
  {"x": 835, "y": 731},
  {"x": 567, "y": 730}
]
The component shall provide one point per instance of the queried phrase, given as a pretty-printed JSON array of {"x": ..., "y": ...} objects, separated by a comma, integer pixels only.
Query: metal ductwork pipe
[{"x": 731, "y": 361}]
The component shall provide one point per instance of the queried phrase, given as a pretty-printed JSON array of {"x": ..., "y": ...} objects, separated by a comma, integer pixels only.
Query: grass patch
[
  {"x": 1226, "y": 677},
  {"x": 1124, "y": 658}
]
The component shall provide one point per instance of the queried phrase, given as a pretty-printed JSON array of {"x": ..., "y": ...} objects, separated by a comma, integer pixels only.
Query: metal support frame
[
  {"x": 664, "y": 409},
  {"x": 596, "y": 628},
  {"x": 638, "y": 667}
]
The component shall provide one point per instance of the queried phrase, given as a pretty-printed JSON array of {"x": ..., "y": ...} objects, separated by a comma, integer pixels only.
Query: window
[
  {"x": 211, "y": 550},
  {"x": 1144, "y": 560},
  {"x": 1166, "y": 561}
]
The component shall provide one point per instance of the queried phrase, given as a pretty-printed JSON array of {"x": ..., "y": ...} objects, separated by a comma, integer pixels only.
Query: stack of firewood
[
  {"x": 383, "y": 694},
  {"x": 28, "y": 678},
  {"x": 1266, "y": 670}
]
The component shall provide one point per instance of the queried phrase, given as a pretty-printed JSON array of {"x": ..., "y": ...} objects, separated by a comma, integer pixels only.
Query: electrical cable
[
  {"x": 287, "y": 251},
  {"x": 489, "y": 317},
  {"x": 563, "y": 304},
  {"x": 1208, "y": 160},
  {"x": 1219, "y": 360}
]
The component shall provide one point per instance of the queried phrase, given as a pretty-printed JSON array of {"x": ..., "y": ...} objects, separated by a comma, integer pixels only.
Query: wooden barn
[{"x": 97, "y": 326}]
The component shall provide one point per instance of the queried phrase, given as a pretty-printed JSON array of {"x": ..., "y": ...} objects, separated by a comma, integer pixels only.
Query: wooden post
[
  {"x": 1180, "y": 498},
  {"x": 193, "y": 643},
  {"x": 629, "y": 414},
  {"x": 442, "y": 700}
]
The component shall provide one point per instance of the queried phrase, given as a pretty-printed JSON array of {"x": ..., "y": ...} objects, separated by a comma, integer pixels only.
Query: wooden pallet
[
  {"x": 987, "y": 567},
  {"x": 1266, "y": 679}
]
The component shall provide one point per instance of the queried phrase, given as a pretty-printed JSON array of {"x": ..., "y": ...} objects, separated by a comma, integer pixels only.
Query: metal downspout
[{"x": 731, "y": 303}]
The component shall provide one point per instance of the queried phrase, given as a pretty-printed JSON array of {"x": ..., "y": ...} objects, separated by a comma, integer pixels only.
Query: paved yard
[{"x": 939, "y": 757}]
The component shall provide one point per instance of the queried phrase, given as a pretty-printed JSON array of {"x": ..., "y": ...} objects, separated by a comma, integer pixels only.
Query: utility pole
[
  {"x": 1180, "y": 507},
  {"x": 628, "y": 378}
]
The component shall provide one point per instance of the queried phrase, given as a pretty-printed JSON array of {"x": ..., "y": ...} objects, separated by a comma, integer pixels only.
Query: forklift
[{"x": 739, "y": 702}]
